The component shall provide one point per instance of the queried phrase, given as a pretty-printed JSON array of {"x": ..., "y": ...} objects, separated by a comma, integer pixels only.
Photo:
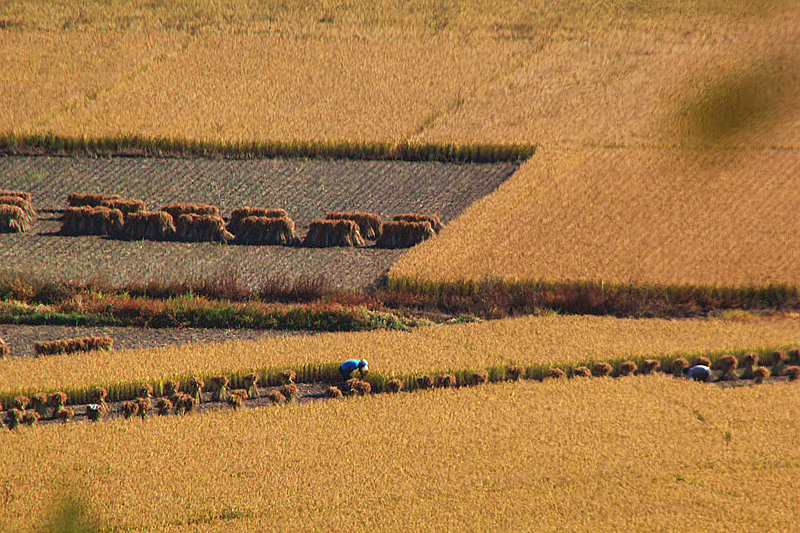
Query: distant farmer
[
  {"x": 699, "y": 373},
  {"x": 351, "y": 364}
]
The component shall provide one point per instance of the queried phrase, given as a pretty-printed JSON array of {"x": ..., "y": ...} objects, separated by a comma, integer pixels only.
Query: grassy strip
[
  {"x": 329, "y": 373},
  {"x": 494, "y": 298},
  {"x": 40, "y": 144}
]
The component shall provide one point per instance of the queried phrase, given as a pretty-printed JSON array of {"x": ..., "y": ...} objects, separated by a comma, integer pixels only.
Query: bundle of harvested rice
[
  {"x": 679, "y": 365},
  {"x": 75, "y": 199},
  {"x": 446, "y": 381},
  {"x": 750, "y": 363},
  {"x": 793, "y": 372},
  {"x": 601, "y": 370},
  {"x": 21, "y": 402},
  {"x": 333, "y": 392},
  {"x": 94, "y": 412},
  {"x": 130, "y": 409},
  {"x": 196, "y": 386},
  {"x": 236, "y": 398},
  {"x": 760, "y": 374},
  {"x": 425, "y": 381},
  {"x": 649, "y": 366},
  {"x": 92, "y": 221},
  {"x": 126, "y": 205},
  {"x": 30, "y": 419},
  {"x": 5, "y": 351},
  {"x": 394, "y": 385},
  {"x": 64, "y": 414},
  {"x": 479, "y": 377},
  {"x": 324, "y": 233},
  {"x": 778, "y": 358},
  {"x": 13, "y": 219},
  {"x": 266, "y": 231},
  {"x": 581, "y": 372},
  {"x": 170, "y": 387},
  {"x": 290, "y": 391},
  {"x": 19, "y": 194},
  {"x": 39, "y": 403},
  {"x": 727, "y": 364},
  {"x": 370, "y": 225},
  {"x": 14, "y": 418},
  {"x": 515, "y": 372},
  {"x": 555, "y": 373},
  {"x": 153, "y": 226},
  {"x": 402, "y": 234},
  {"x": 57, "y": 400},
  {"x": 287, "y": 376},
  {"x": 20, "y": 202},
  {"x": 362, "y": 388},
  {"x": 219, "y": 388},
  {"x": 81, "y": 344},
  {"x": 164, "y": 406},
  {"x": 434, "y": 221},
  {"x": 251, "y": 384},
  {"x": 276, "y": 397},
  {"x": 201, "y": 228},
  {"x": 627, "y": 368},
  {"x": 243, "y": 212},
  {"x": 190, "y": 209}
]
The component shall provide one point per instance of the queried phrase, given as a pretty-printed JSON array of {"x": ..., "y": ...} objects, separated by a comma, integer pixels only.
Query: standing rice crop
[
  {"x": 370, "y": 225},
  {"x": 146, "y": 391}
]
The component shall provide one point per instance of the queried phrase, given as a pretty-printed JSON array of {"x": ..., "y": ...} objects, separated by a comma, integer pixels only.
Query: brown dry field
[
  {"x": 648, "y": 453},
  {"x": 307, "y": 189}
]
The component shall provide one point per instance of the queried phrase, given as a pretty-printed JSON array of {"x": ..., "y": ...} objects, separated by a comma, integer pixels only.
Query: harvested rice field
[
  {"x": 306, "y": 189},
  {"x": 631, "y": 454}
]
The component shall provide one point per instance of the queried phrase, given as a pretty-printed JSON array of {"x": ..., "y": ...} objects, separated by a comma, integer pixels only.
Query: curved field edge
[
  {"x": 693, "y": 456},
  {"x": 48, "y": 144},
  {"x": 537, "y": 343}
]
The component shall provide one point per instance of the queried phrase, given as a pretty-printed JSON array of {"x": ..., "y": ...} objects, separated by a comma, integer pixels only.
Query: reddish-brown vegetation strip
[{"x": 307, "y": 189}]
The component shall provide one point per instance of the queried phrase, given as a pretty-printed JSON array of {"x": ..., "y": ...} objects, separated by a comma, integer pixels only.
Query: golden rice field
[
  {"x": 664, "y": 454},
  {"x": 525, "y": 341}
]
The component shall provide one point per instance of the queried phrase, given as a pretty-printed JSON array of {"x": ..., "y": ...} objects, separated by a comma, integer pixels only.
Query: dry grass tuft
[
  {"x": 445, "y": 381},
  {"x": 760, "y": 374},
  {"x": 275, "y": 397},
  {"x": 13, "y": 219},
  {"x": 178, "y": 209},
  {"x": 266, "y": 231},
  {"x": 581, "y": 372},
  {"x": 242, "y": 213},
  {"x": 288, "y": 376},
  {"x": 602, "y": 370},
  {"x": 328, "y": 233},
  {"x": 705, "y": 361},
  {"x": 193, "y": 227},
  {"x": 129, "y": 408},
  {"x": 425, "y": 381},
  {"x": 515, "y": 372},
  {"x": 402, "y": 234},
  {"x": 236, "y": 398},
  {"x": 21, "y": 402},
  {"x": 555, "y": 373},
  {"x": 479, "y": 377},
  {"x": 145, "y": 225},
  {"x": 394, "y": 385},
  {"x": 164, "y": 406},
  {"x": 333, "y": 392},
  {"x": 289, "y": 391},
  {"x": 170, "y": 387},
  {"x": 793, "y": 372},
  {"x": 30, "y": 419},
  {"x": 649, "y": 366},
  {"x": 66, "y": 346},
  {"x": 627, "y": 368},
  {"x": 251, "y": 384},
  {"x": 433, "y": 220},
  {"x": 370, "y": 225},
  {"x": 75, "y": 199},
  {"x": 92, "y": 221}
]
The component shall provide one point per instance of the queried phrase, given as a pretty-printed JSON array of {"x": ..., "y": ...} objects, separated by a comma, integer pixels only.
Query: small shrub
[
  {"x": 515, "y": 372},
  {"x": 445, "y": 381},
  {"x": 164, "y": 406},
  {"x": 394, "y": 385},
  {"x": 30, "y": 419},
  {"x": 581, "y": 372},
  {"x": 276, "y": 397},
  {"x": 21, "y": 402},
  {"x": 601, "y": 370},
  {"x": 627, "y": 368},
  {"x": 760, "y": 374},
  {"x": 649, "y": 366},
  {"x": 793, "y": 372},
  {"x": 425, "y": 381},
  {"x": 555, "y": 373},
  {"x": 479, "y": 377},
  {"x": 679, "y": 365},
  {"x": 333, "y": 392},
  {"x": 288, "y": 376}
]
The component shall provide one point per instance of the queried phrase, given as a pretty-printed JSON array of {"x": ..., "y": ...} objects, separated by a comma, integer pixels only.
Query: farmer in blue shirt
[
  {"x": 699, "y": 373},
  {"x": 351, "y": 364}
]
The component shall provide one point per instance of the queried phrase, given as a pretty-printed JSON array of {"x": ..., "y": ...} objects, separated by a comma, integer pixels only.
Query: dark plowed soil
[
  {"x": 20, "y": 339},
  {"x": 307, "y": 189}
]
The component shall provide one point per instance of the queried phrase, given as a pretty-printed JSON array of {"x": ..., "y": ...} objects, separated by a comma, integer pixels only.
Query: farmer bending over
[
  {"x": 351, "y": 364},
  {"x": 699, "y": 373}
]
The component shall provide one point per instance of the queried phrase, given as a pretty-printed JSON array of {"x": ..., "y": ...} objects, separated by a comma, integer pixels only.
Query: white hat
[{"x": 364, "y": 363}]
